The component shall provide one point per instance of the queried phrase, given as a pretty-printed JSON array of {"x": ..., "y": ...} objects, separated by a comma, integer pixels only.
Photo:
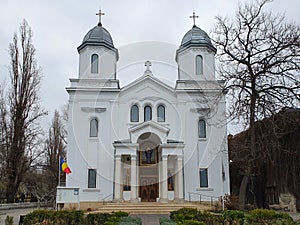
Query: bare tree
[
  {"x": 54, "y": 149},
  {"x": 260, "y": 62},
  {"x": 20, "y": 112},
  {"x": 2, "y": 144}
]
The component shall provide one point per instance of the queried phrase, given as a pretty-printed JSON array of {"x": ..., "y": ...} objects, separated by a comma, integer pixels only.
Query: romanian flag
[{"x": 64, "y": 166}]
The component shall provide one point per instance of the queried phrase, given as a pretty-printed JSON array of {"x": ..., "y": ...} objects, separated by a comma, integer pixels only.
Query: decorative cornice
[
  {"x": 203, "y": 110},
  {"x": 92, "y": 110}
]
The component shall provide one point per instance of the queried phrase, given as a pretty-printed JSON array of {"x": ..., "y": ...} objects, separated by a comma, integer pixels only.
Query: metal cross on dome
[
  {"x": 100, "y": 13},
  {"x": 148, "y": 64},
  {"x": 194, "y": 18}
]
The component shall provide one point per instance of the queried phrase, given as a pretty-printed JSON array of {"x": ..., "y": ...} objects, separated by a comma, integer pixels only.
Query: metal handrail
[
  {"x": 103, "y": 199},
  {"x": 211, "y": 197}
]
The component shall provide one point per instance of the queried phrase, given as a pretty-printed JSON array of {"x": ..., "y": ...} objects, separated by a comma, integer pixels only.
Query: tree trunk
[
  {"x": 10, "y": 192},
  {"x": 242, "y": 191}
]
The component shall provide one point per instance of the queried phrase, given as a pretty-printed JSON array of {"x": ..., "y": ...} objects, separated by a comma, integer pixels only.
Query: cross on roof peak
[
  {"x": 147, "y": 71},
  {"x": 194, "y": 17},
  {"x": 148, "y": 64},
  {"x": 100, "y": 13}
]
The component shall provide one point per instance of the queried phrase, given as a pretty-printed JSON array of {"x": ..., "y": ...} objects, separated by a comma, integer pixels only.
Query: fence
[{"x": 18, "y": 205}]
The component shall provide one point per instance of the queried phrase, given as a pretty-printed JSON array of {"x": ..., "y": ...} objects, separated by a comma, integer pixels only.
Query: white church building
[{"x": 146, "y": 141}]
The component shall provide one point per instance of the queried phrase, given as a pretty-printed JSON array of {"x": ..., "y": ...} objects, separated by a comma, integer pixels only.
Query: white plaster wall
[
  {"x": 187, "y": 64},
  {"x": 84, "y": 152},
  {"x": 204, "y": 153},
  {"x": 146, "y": 93},
  {"x": 106, "y": 63}
]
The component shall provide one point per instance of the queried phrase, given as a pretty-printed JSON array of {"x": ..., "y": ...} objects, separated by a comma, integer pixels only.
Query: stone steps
[{"x": 149, "y": 208}]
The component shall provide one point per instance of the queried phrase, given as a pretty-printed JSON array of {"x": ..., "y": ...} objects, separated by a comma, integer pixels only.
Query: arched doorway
[{"x": 148, "y": 158}]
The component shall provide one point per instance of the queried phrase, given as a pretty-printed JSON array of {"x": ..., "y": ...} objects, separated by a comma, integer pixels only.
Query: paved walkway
[
  {"x": 295, "y": 216},
  {"x": 149, "y": 219},
  {"x": 14, "y": 213}
]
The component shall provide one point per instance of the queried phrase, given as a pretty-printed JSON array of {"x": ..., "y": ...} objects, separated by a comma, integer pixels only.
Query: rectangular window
[
  {"x": 202, "y": 128},
  {"x": 92, "y": 174},
  {"x": 203, "y": 178}
]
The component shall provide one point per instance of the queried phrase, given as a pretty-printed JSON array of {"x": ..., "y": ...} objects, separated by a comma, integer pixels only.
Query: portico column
[
  {"x": 176, "y": 196},
  {"x": 118, "y": 197},
  {"x": 159, "y": 179},
  {"x": 164, "y": 179},
  {"x": 133, "y": 179},
  {"x": 179, "y": 178}
]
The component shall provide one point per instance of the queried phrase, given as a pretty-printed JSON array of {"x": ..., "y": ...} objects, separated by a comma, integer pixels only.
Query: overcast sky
[{"x": 60, "y": 25}]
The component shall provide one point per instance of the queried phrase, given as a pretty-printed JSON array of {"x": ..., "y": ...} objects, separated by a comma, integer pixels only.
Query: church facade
[{"x": 147, "y": 141}]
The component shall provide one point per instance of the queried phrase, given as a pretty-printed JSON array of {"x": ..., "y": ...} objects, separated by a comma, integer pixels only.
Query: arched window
[
  {"x": 202, "y": 128},
  {"x": 161, "y": 113},
  {"x": 147, "y": 113},
  {"x": 94, "y": 128},
  {"x": 199, "y": 65},
  {"x": 134, "y": 113},
  {"x": 94, "y": 63}
]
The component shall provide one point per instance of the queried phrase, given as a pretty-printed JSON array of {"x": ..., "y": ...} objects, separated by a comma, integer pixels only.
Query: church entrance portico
[{"x": 149, "y": 169}]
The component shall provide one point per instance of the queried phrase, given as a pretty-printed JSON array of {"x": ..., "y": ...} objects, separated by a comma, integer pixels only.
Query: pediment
[
  {"x": 149, "y": 127},
  {"x": 148, "y": 83},
  {"x": 148, "y": 91}
]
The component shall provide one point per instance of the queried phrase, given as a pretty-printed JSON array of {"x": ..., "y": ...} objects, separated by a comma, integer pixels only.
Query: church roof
[
  {"x": 198, "y": 38},
  {"x": 97, "y": 36}
]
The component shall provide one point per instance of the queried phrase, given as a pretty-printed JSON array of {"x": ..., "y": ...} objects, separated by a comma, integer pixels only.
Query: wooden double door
[{"x": 148, "y": 190}]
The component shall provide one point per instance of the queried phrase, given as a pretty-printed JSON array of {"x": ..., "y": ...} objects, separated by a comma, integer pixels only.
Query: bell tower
[
  {"x": 97, "y": 55},
  {"x": 196, "y": 55}
]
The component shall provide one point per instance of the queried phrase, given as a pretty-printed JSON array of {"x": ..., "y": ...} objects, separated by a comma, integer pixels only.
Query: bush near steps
[
  {"x": 50, "y": 217},
  {"x": 190, "y": 216}
]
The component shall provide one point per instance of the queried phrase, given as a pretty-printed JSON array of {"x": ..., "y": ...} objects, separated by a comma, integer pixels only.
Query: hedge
[
  {"x": 166, "y": 221},
  {"x": 50, "y": 217},
  {"x": 184, "y": 216},
  {"x": 230, "y": 217}
]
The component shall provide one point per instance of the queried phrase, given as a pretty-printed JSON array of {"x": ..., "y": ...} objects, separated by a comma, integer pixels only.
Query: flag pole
[{"x": 58, "y": 171}]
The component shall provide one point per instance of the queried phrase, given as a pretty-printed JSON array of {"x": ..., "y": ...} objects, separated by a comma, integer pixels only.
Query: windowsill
[
  {"x": 202, "y": 139},
  {"x": 93, "y": 138},
  {"x": 205, "y": 189},
  {"x": 91, "y": 190},
  {"x": 133, "y": 123},
  {"x": 164, "y": 123}
]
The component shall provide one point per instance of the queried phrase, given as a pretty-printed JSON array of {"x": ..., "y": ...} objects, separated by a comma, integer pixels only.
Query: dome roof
[
  {"x": 197, "y": 37},
  {"x": 97, "y": 36}
]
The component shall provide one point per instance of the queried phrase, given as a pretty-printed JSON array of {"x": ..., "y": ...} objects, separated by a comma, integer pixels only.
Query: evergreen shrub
[
  {"x": 166, "y": 221},
  {"x": 268, "y": 217},
  {"x": 233, "y": 217},
  {"x": 50, "y": 217},
  {"x": 191, "y": 222},
  {"x": 130, "y": 221}
]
